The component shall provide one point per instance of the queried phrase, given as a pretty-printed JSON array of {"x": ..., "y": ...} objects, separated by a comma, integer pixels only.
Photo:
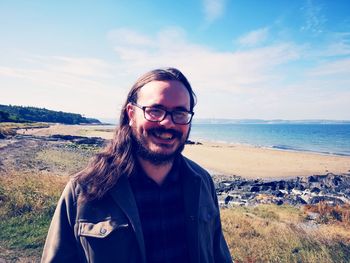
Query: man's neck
[{"x": 157, "y": 173}]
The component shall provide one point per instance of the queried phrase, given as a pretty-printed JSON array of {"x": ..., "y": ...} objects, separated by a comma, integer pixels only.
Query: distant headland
[{"x": 10, "y": 113}]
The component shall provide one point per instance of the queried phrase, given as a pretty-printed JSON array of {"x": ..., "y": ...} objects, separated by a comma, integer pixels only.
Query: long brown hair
[{"x": 117, "y": 158}]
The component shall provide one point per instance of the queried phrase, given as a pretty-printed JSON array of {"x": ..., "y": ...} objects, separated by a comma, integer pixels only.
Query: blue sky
[{"x": 276, "y": 59}]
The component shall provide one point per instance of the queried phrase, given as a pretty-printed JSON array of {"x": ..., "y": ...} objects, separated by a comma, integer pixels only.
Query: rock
[
  {"x": 192, "y": 142},
  {"x": 315, "y": 190},
  {"x": 255, "y": 189},
  {"x": 228, "y": 199},
  {"x": 279, "y": 202},
  {"x": 331, "y": 200},
  {"x": 329, "y": 188},
  {"x": 80, "y": 139},
  {"x": 278, "y": 193}
]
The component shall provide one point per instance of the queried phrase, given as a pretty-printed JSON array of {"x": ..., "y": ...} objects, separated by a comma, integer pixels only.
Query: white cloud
[
  {"x": 213, "y": 9},
  {"x": 340, "y": 45},
  {"x": 254, "y": 38},
  {"x": 314, "y": 19},
  {"x": 336, "y": 68},
  {"x": 59, "y": 71},
  {"x": 82, "y": 85},
  {"x": 264, "y": 82},
  {"x": 129, "y": 37},
  {"x": 85, "y": 67},
  {"x": 208, "y": 68},
  {"x": 273, "y": 81}
]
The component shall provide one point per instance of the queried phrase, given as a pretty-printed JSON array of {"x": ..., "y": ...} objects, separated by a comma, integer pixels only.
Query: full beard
[{"x": 140, "y": 146}]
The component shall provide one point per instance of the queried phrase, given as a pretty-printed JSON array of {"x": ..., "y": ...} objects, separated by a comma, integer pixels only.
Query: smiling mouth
[{"x": 164, "y": 135}]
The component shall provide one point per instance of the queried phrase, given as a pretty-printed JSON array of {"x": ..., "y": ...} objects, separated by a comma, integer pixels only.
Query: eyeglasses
[{"x": 154, "y": 114}]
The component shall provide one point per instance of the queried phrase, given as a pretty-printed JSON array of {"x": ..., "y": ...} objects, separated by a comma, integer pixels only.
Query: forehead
[{"x": 170, "y": 94}]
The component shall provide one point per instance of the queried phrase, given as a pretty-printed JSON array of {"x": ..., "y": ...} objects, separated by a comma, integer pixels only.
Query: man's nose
[{"x": 167, "y": 121}]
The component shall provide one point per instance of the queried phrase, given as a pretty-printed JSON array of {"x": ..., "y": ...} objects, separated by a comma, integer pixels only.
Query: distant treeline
[{"x": 32, "y": 114}]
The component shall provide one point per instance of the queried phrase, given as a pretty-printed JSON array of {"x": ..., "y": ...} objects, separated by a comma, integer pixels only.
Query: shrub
[{"x": 330, "y": 213}]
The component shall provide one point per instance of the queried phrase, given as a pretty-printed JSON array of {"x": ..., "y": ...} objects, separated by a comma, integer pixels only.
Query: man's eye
[
  {"x": 154, "y": 112},
  {"x": 180, "y": 114}
]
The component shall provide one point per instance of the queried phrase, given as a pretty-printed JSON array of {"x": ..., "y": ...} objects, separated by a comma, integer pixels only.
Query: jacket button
[{"x": 103, "y": 231}]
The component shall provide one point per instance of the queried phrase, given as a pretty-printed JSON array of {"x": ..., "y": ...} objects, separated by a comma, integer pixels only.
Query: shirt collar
[{"x": 172, "y": 177}]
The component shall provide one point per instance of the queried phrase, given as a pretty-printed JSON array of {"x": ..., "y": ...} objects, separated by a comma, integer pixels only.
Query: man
[{"x": 140, "y": 200}]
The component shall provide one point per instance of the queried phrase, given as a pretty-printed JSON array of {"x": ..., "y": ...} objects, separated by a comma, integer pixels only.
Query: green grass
[
  {"x": 24, "y": 125},
  {"x": 25, "y": 231},
  {"x": 27, "y": 203}
]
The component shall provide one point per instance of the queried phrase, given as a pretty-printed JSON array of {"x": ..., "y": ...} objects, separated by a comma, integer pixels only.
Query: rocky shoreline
[{"x": 330, "y": 188}]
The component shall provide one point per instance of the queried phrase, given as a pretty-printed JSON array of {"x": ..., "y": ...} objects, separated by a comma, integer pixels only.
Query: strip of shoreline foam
[{"x": 232, "y": 159}]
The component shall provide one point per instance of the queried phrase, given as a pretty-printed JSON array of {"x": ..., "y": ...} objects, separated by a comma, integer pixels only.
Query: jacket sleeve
[
  {"x": 221, "y": 250},
  {"x": 61, "y": 245}
]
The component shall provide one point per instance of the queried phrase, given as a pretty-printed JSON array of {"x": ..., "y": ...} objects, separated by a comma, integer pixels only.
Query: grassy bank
[
  {"x": 270, "y": 233},
  {"x": 27, "y": 203},
  {"x": 265, "y": 233},
  {"x": 9, "y": 128}
]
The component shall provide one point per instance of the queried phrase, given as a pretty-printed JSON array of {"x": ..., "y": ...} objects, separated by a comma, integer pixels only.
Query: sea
[
  {"x": 324, "y": 137},
  {"x": 331, "y": 139}
]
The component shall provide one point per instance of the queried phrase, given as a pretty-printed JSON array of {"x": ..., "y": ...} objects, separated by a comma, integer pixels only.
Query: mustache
[{"x": 175, "y": 133}]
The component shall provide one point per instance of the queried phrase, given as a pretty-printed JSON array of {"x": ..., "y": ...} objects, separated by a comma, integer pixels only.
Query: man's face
[{"x": 159, "y": 142}]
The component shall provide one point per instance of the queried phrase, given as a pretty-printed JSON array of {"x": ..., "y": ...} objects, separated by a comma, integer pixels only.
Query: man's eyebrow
[{"x": 178, "y": 108}]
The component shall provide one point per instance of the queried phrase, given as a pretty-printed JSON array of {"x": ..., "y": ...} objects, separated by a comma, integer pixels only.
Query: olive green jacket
[{"x": 109, "y": 229}]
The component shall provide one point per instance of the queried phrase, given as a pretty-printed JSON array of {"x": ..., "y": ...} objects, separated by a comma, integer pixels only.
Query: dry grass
[
  {"x": 7, "y": 131},
  {"x": 266, "y": 233},
  {"x": 66, "y": 160},
  {"x": 9, "y": 128},
  {"x": 23, "y": 125},
  {"x": 21, "y": 193},
  {"x": 269, "y": 233},
  {"x": 27, "y": 203},
  {"x": 329, "y": 214}
]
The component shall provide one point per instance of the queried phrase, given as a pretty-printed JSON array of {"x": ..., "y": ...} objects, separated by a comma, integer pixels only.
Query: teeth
[{"x": 165, "y": 135}]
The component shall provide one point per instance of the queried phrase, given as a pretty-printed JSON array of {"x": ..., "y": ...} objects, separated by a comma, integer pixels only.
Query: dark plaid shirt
[{"x": 161, "y": 210}]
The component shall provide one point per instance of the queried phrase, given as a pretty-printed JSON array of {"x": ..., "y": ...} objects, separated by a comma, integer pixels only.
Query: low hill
[{"x": 32, "y": 114}]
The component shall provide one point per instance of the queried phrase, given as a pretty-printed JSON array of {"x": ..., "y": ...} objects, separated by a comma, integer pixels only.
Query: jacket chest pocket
[
  {"x": 108, "y": 241},
  {"x": 207, "y": 225},
  {"x": 100, "y": 229},
  {"x": 207, "y": 214},
  {"x": 207, "y": 219}
]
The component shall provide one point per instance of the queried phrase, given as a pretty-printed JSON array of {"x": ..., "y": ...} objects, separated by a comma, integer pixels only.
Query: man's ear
[{"x": 131, "y": 112}]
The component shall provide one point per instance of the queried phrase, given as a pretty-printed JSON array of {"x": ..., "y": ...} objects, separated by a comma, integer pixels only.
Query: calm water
[{"x": 321, "y": 138}]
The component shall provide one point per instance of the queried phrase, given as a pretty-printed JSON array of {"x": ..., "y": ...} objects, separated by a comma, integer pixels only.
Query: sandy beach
[
  {"x": 254, "y": 162},
  {"x": 230, "y": 159}
]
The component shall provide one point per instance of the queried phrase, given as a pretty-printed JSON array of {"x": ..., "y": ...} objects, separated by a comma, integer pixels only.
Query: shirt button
[{"x": 103, "y": 231}]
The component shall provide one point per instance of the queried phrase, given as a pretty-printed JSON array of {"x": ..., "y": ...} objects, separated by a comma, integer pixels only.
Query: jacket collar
[{"x": 123, "y": 196}]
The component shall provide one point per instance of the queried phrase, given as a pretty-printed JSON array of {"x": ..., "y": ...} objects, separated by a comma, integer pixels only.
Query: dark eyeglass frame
[{"x": 166, "y": 112}]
